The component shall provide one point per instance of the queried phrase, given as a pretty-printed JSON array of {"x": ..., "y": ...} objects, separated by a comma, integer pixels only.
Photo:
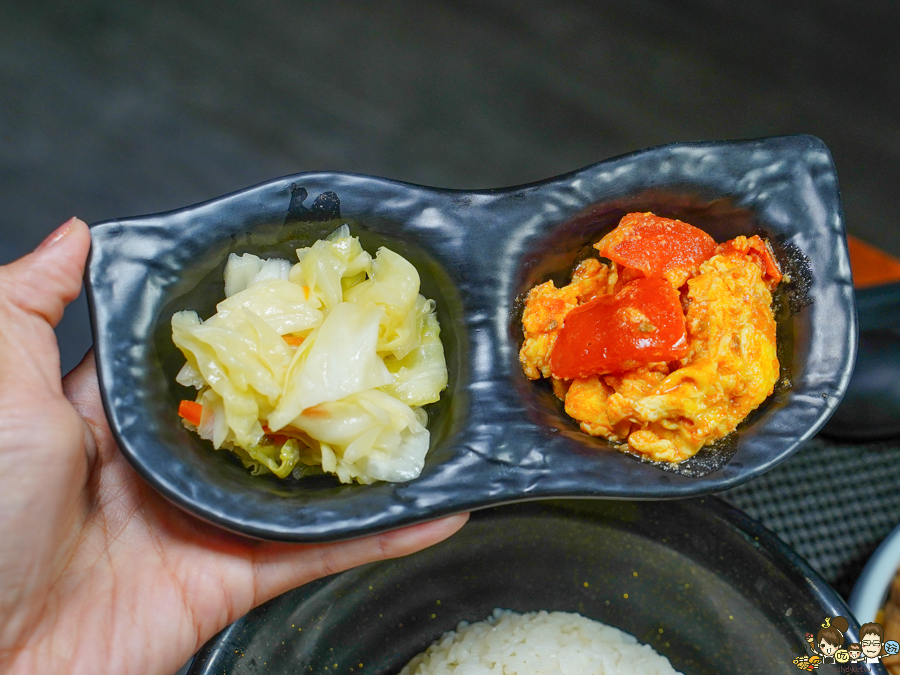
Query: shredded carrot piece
[
  {"x": 293, "y": 340},
  {"x": 191, "y": 411},
  {"x": 282, "y": 436},
  {"x": 315, "y": 411}
]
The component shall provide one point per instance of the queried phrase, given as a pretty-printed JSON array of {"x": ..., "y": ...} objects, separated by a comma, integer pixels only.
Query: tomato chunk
[
  {"x": 656, "y": 245},
  {"x": 642, "y": 323}
]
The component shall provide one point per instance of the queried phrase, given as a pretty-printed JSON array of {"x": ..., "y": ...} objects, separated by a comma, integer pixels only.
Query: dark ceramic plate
[
  {"x": 496, "y": 437},
  {"x": 706, "y": 586}
]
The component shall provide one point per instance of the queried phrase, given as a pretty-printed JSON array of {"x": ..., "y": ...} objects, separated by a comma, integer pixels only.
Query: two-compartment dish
[{"x": 495, "y": 436}]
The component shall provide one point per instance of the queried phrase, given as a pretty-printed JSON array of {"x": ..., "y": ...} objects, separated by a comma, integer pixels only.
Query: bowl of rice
[{"x": 572, "y": 587}]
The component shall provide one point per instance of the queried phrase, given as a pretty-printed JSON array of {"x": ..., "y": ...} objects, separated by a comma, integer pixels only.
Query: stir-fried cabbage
[{"x": 324, "y": 363}]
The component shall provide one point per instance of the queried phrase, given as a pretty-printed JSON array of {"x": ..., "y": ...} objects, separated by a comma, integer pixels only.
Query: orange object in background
[{"x": 871, "y": 266}]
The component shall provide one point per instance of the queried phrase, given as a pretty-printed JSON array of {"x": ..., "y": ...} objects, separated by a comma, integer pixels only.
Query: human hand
[{"x": 97, "y": 571}]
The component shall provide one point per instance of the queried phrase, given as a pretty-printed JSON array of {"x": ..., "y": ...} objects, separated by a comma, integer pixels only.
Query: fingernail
[{"x": 57, "y": 234}]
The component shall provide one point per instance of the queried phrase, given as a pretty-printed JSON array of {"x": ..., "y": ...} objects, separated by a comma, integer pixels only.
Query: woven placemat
[{"x": 831, "y": 502}]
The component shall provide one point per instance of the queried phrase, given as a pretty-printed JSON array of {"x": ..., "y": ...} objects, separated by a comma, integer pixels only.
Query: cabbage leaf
[{"x": 326, "y": 363}]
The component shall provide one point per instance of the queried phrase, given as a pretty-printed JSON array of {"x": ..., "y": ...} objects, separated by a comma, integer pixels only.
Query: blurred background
[{"x": 112, "y": 109}]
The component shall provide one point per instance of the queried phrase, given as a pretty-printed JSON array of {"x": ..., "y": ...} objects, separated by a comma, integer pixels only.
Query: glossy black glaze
[
  {"x": 496, "y": 437},
  {"x": 707, "y": 587}
]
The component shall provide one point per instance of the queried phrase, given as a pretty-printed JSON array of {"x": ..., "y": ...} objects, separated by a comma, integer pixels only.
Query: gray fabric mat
[{"x": 831, "y": 502}]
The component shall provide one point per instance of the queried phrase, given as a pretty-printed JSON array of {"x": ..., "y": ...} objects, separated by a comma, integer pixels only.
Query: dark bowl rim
[{"x": 207, "y": 660}]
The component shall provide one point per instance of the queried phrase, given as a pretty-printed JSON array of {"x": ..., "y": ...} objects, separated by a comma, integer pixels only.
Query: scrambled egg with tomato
[{"x": 667, "y": 348}]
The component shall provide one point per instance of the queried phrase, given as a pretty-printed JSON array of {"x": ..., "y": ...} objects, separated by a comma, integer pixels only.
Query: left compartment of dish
[{"x": 144, "y": 270}]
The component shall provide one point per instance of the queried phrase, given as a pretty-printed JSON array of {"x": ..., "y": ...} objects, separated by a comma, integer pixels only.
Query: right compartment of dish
[{"x": 554, "y": 254}]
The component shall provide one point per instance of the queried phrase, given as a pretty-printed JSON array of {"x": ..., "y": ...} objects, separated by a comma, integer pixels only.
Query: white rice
[{"x": 538, "y": 643}]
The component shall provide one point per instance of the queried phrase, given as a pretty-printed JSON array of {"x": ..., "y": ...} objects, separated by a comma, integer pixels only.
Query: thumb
[
  {"x": 34, "y": 291},
  {"x": 43, "y": 282}
]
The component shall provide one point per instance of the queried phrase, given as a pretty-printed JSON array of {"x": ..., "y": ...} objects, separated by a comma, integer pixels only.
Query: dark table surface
[{"x": 833, "y": 502}]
